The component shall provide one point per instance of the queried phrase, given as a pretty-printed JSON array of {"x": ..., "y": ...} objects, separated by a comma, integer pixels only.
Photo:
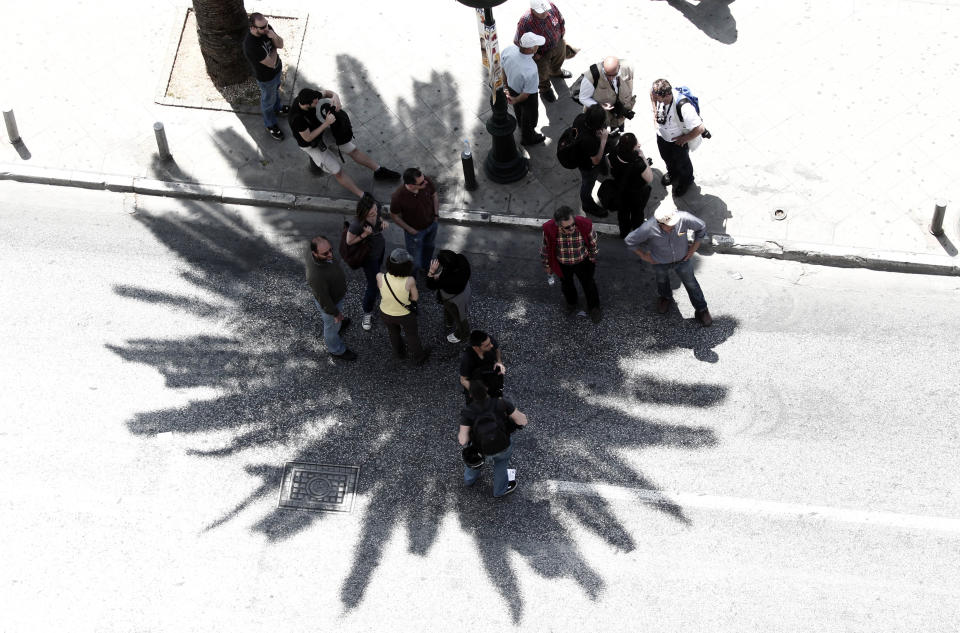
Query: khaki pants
[{"x": 549, "y": 64}]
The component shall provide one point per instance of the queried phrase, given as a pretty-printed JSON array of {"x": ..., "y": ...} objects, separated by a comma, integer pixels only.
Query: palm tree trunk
[{"x": 221, "y": 27}]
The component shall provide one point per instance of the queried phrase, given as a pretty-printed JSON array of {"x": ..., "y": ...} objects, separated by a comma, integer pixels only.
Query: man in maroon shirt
[
  {"x": 545, "y": 20},
  {"x": 415, "y": 207}
]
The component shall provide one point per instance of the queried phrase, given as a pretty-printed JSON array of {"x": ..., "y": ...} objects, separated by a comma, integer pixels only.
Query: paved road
[{"x": 161, "y": 363}]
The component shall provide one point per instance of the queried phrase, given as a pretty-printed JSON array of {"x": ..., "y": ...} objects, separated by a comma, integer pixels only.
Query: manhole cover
[
  {"x": 318, "y": 487},
  {"x": 779, "y": 214}
]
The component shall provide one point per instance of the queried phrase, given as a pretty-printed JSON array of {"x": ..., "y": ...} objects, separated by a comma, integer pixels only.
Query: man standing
[
  {"x": 329, "y": 286},
  {"x": 415, "y": 207},
  {"x": 544, "y": 19},
  {"x": 481, "y": 360},
  {"x": 612, "y": 89},
  {"x": 677, "y": 125},
  {"x": 260, "y": 47},
  {"x": 591, "y": 150},
  {"x": 486, "y": 425},
  {"x": 570, "y": 249},
  {"x": 308, "y": 131},
  {"x": 521, "y": 73},
  {"x": 664, "y": 241}
]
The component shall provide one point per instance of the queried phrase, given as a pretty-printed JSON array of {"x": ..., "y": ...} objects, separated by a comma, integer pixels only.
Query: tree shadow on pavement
[
  {"x": 283, "y": 399},
  {"x": 713, "y": 17}
]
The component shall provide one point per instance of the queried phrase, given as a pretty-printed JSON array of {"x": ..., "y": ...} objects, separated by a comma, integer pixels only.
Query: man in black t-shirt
[
  {"x": 484, "y": 420},
  {"x": 591, "y": 149},
  {"x": 481, "y": 360},
  {"x": 260, "y": 47},
  {"x": 308, "y": 130}
]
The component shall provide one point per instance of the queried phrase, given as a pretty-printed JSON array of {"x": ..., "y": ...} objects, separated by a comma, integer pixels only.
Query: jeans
[
  {"x": 677, "y": 160},
  {"x": 420, "y": 246},
  {"x": 331, "y": 330},
  {"x": 371, "y": 266},
  {"x": 500, "y": 463},
  {"x": 684, "y": 270},
  {"x": 270, "y": 99},
  {"x": 584, "y": 272}
]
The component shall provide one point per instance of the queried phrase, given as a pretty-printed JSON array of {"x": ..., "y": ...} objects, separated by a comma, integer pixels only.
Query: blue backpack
[{"x": 688, "y": 97}]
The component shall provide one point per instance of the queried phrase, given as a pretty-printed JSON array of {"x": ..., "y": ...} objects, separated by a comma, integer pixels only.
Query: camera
[{"x": 620, "y": 110}]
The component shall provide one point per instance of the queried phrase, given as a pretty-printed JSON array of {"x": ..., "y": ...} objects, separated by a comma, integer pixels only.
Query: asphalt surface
[{"x": 163, "y": 362}]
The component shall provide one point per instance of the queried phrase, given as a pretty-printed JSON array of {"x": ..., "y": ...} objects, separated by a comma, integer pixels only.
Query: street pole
[{"x": 503, "y": 164}]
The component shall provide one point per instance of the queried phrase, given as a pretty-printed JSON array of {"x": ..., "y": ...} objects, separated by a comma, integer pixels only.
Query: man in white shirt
[
  {"x": 522, "y": 83},
  {"x": 678, "y": 124}
]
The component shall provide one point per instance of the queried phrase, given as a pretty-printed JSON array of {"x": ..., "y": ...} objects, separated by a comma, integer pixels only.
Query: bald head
[
  {"x": 611, "y": 66},
  {"x": 320, "y": 246}
]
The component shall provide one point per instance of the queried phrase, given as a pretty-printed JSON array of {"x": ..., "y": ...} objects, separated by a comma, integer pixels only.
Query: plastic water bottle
[{"x": 551, "y": 280}]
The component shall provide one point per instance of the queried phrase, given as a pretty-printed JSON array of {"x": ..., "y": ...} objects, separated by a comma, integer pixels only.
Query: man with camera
[
  {"x": 611, "y": 85},
  {"x": 260, "y": 47},
  {"x": 481, "y": 360},
  {"x": 308, "y": 130},
  {"x": 679, "y": 129}
]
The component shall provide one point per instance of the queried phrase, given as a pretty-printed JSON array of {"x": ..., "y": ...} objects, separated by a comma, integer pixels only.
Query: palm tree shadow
[{"x": 280, "y": 395}]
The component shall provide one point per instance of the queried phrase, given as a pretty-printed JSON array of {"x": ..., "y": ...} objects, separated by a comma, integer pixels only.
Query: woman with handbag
[
  {"x": 631, "y": 177},
  {"x": 398, "y": 306},
  {"x": 449, "y": 275},
  {"x": 368, "y": 227}
]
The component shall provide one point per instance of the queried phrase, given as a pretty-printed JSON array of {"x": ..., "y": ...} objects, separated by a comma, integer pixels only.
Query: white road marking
[{"x": 756, "y": 506}]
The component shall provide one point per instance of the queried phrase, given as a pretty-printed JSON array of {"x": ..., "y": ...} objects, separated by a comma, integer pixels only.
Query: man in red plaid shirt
[
  {"x": 569, "y": 250},
  {"x": 545, "y": 20}
]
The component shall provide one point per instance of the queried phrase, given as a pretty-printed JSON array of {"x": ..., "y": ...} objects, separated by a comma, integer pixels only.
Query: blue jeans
[
  {"x": 420, "y": 246},
  {"x": 270, "y": 99},
  {"x": 371, "y": 266},
  {"x": 684, "y": 271},
  {"x": 500, "y": 463},
  {"x": 331, "y": 330}
]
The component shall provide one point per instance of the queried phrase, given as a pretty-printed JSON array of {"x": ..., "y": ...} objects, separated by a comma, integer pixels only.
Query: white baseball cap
[
  {"x": 667, "y": 214},
  {"x": 540, "y": 6},
  {"x": 529, "y": 40}
]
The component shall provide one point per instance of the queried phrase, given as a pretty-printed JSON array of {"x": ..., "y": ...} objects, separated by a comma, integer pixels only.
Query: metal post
[
  {"x": 162, "y": 148},
  {"x": 466, "y": 158},
  {"x": 11, "y": 122},
  {"x": 936, "y": 225}
]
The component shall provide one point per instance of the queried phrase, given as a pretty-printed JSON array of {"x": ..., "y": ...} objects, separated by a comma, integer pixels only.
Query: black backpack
[
  {"x": 575, "y": 88},
  {"x": 568, "y": 154},
  {"x": 342, "y": 128},
  {"x": 489, "y": 432}
]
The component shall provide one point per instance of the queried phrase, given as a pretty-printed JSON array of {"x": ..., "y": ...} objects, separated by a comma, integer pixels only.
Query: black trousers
[
  {"x": 630, "y": 210},
  {"x": 584, "y": 272},
  {"x": 528, "y": 114},
  {"x": 678, "y": 164}
]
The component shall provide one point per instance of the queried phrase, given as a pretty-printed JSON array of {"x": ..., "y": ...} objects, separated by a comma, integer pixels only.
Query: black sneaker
[
  {"x": 596, "y": 209},
  {"x": 383, "y": 173},
  {"x": 347, "y": 354},
  {"x": 533, "y": 140},
  {"x": 422, "y": 358},
  {"x": 344, "y": 325},
  {"x": 511, "y": 486},
  {"x": 275, "y": 133},
  {"x": 596, "y": 315},
  {"x": 283, "y": 111},
  {"x": 665, "y": 180}
]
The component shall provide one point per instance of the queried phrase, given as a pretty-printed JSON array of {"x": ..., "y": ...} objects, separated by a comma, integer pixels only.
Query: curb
[{"x": 806, "y": 252}]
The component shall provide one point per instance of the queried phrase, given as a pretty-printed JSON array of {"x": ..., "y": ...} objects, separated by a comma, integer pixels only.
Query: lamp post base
[{"x": 504, "y": 164}]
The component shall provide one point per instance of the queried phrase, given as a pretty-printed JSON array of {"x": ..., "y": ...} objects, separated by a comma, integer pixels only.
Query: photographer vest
[{"x": 605, "y": 94}]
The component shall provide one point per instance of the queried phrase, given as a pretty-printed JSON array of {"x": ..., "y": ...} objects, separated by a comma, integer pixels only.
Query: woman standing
[
  {"x": 367, "y": 225},
  {"x": 632, "y": 177},
  {"x": 449, "y": 275},
  {"x": 398, "y": 305}
]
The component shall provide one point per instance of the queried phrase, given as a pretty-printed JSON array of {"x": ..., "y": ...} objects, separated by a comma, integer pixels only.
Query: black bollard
[{"x": 469, "y": 175}]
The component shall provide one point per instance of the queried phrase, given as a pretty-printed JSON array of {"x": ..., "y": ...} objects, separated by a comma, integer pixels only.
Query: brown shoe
[
  {"x": 663, "y": 304},
  {"x": 704, "y": 317}
]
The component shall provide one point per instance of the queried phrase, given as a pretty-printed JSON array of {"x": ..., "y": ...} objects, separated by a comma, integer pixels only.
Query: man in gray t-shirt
[{"x": 664, "y": 241}]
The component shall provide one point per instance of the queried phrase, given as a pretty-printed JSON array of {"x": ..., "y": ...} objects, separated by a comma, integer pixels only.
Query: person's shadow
[{"x": 713, "y": 17}]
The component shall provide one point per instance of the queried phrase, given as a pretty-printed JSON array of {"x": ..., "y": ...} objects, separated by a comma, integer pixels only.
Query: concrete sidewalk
[{"x": 831, "y": 112}]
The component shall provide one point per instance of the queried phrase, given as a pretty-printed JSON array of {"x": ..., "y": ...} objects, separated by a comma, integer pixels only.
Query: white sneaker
[
  {"x": 367, "y": 322},
  {"x": 452, "y": 337}
]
